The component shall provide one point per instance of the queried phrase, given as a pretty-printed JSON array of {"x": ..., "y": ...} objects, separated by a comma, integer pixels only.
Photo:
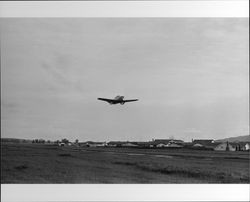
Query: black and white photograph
[
  {"x": 139, "y": 103},
  {"x": 124, "y": 100}
]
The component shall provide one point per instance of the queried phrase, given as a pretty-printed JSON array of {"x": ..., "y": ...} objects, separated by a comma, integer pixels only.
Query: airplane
[{"x": 117, "y": 100}]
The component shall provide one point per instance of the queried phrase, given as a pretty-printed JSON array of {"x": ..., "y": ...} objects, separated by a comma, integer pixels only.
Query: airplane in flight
[{"x": 117, "y": 100}]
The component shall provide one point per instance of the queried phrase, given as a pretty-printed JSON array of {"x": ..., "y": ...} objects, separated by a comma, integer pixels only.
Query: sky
[{"x": 189, "y": 74}]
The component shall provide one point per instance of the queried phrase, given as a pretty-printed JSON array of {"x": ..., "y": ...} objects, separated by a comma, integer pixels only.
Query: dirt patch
[
  {"x": 65, "y": 155},
  {"x": 21, "y": 167}
]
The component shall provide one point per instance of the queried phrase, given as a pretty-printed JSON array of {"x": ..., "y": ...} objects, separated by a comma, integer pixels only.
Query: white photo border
[
  {"x": 204, "y": 8},
  {"x": 126, "y": 192}
]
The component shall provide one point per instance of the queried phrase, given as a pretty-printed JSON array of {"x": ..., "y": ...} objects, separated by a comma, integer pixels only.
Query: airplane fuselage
[{"x": 117, "y": 100}]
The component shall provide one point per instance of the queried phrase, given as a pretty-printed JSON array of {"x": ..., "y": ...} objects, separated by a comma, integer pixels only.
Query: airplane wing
[
  {"x": 105, "y": 99},
  {"x": 130, "y": 100}
]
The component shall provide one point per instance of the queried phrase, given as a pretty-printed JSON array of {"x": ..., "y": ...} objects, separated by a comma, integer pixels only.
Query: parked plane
[{"x": 117, "y": 100}]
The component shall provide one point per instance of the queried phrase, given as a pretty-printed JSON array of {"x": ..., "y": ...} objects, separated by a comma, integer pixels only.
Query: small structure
[
  {"x": 92, "y": 144},
  {"x": 174, "y": 145},
  {"x": 206, "y": 144},
  {"x": 166, "y": 142},
  {"x": 61, "y": 144},
  {"x": 161, "y": 145},
  {"x": 198, "y": 145},
  {"x": 115, "y": 143},
  {"x": 247, "y": 146}
]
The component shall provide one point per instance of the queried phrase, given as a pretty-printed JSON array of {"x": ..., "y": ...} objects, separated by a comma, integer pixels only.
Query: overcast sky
[{"x": 190, "y": 76}]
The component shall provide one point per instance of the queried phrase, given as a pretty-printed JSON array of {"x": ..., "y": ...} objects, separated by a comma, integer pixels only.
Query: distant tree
[
  {"x": 42, "y": 141},
  {"x": 227, "y": 147},
  {"x": 65, "y": 141}
]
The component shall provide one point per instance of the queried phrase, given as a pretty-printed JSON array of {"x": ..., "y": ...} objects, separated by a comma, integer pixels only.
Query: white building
[
  {"x": 161, "y": 145},
  {"x": 197, "y": 145},
  {"x": 173, "y": 145},
  {"x": 247, "y": 146}
]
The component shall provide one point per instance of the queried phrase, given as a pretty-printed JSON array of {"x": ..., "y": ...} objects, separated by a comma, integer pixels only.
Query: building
[
  {"x": 92, "y": 144},
  {"x": 241, "y": 146},
  {"x": 129, "y": 144},
  {"x": 161, "y": 145},
  {"x": 115, "y": 143},
  {"x": 174, "y": 145},
  {"x": 166, "y": 141},
  {"x": 198, "y": 145},
  {"x": 232, "y": 146},
  {"x": 203, "y": 141},
  {"x": 225, "y": 146},
  {"x": 145, "y": 144},
  {"x": 207, "y": 144}
]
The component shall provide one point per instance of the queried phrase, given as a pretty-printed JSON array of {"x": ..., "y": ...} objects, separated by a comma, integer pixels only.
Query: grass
[
  {"x": 69, "y": 155},
  {"x": 33, "y": 163},
  {"x": 189, "y": 173}
]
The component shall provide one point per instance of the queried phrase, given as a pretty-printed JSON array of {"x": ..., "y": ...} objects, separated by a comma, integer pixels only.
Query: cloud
[{"x": 57, "y": 75}]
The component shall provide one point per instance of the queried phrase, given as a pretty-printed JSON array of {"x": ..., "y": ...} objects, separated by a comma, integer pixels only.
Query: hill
[{"x": 245, "y": 138}]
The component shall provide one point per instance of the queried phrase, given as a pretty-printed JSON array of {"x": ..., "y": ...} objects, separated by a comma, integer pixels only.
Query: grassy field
[{"x": 34, "y": 163}]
